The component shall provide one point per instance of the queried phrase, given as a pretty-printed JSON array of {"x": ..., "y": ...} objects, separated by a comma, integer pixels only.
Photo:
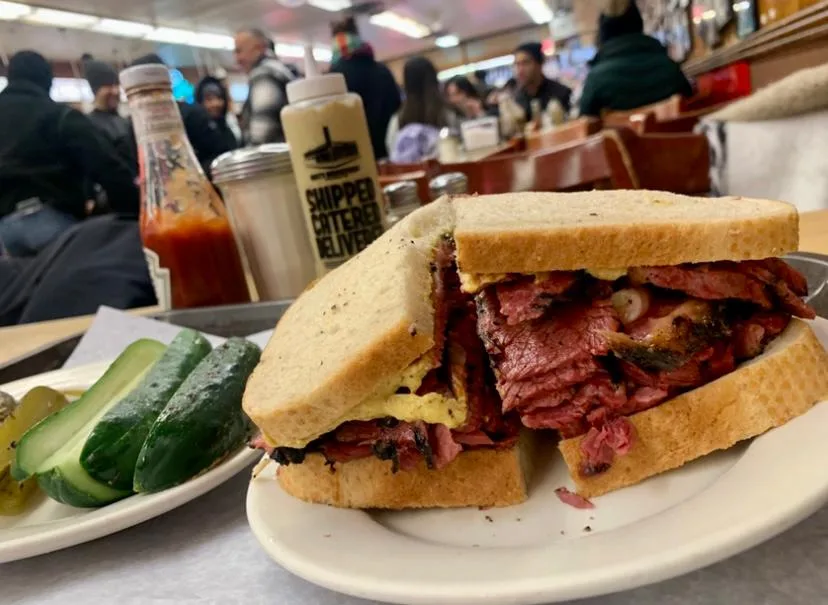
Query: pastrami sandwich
[{"x": 646, "y": 329}]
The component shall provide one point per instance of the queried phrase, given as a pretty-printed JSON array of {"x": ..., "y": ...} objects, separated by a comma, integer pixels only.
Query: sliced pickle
[{"x": 15, "y": 420}]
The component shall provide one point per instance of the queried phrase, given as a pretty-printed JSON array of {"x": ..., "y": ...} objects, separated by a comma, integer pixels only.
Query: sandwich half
[
  {"x": 375, "y": 390},
  {"x": 645, "y": 329}
]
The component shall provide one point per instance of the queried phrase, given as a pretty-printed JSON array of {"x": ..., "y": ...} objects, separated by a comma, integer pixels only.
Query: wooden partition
[{"x": 570, "y": 132}]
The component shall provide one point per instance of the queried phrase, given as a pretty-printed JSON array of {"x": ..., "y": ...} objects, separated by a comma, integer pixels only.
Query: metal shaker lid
[
  {"x": 403, "y": 193},
  {"x": 450, "y": 183},
  {"x": 252, "y": 161}
]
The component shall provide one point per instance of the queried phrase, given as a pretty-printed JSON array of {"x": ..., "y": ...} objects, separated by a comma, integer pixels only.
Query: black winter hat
[
  {"x": 99, "y": 74},
  {"x": 32, "y": 67},
  {"x": 150, "y": 59},
  {"x": 619, "y": 20}
]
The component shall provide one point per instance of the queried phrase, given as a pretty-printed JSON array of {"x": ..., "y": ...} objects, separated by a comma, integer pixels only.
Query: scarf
[{"x": 347, "y": 45}]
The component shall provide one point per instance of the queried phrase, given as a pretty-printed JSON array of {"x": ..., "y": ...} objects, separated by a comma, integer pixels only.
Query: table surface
[{"x": 20, "y": 340}]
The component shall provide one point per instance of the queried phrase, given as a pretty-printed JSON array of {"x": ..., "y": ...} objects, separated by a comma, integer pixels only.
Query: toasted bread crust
[
  {"x": 534, "y": 232},
  {"x": 766, "y": 392},
  {"x": 481, "y": 477}
]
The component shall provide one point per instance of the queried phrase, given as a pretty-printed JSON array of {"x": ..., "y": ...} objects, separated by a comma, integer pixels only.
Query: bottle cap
[
  {"x": 142, "y": 75},
  {"x": 315, "y": 87}
]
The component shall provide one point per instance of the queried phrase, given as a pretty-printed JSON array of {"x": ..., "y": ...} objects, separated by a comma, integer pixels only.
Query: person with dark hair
[
  {"x": 215, "y": 99},
  {"x": 465, "y": 98},
  {"x": 533, "y": 85},
  {"x": 207, "y": 143},
  {"x": 103, "y": 80},
  {"x": 631, "y": 69},
  {"x": 49, "y": 155},
  {"x": 371, "y": 80},
  {"x": 413, "y": 133},
  {"x": 261, "y": 121}
]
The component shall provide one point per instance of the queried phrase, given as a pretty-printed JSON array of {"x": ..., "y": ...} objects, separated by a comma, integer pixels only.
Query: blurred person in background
[
  {"x": 371, "y": 80},
  {"x": 478, "y": 78},
  {"x": 533, "y": 85},
  {"x": 203, "y": 134},
  {"x": 631, "y": 69},
  {"x": 231, "y": 118},
  {"x": 466, "y": 100},
  {"x": 414, "y": 132},
  {"x": 215, "y": 99},
  {"x": 260, "y": 120},
  {"x": 103, "y": 80},
  {"x": 49, "y": 153}
]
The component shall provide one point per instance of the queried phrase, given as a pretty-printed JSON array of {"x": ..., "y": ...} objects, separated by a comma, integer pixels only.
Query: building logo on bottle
[{"x": 343, "y": 206}]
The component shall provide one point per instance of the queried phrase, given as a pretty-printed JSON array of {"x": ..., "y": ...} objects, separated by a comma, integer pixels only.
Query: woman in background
[
  {"x": 414, "y": 132},
  {"x": 465, "y": 98},
  {"x": 631, "y": 69},
  {"x": 214, "y": 97}
]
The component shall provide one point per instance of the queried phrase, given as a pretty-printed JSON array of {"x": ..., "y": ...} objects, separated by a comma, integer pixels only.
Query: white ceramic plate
[
  {"x": 50, "y": 526},
  {"x": 545, "y": 551}
]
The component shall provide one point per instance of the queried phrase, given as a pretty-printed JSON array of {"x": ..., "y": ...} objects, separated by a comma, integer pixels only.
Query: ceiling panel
[{"x": 465, "y": 18}]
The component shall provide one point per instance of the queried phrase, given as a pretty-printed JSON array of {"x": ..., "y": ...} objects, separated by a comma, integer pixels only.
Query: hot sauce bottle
[{"x": 189, "y": 245}]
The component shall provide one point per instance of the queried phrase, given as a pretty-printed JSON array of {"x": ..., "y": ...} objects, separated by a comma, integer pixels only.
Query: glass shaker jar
[
  {"x": 451, "y": 183},
  {"x": 402, "y": 200},
  {"x": 266, "y": 212}
]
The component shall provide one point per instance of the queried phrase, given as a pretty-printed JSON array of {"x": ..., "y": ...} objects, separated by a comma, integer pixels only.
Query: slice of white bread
[
  {"x": 768, "y": 391},
  {"x": 481, "y": 477},
  {"x": 352, "y": 334},
  {"x": 535, "y": 232}
]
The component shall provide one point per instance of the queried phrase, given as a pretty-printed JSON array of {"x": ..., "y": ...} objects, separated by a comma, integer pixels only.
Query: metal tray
[{"x": 243, "y": 320}]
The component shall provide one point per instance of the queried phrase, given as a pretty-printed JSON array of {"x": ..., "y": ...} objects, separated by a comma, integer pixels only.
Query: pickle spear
[{"x": 16, "y": 419}]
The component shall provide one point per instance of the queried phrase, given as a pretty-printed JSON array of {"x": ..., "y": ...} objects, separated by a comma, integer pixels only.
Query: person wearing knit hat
[
  {"x": 214, "y": 97},
  {"x": 533, "y": 85},
  {"x": 631, "y": 69},
  {"x": 103, "y": 80},
  {"x": 50, "y": 153}
]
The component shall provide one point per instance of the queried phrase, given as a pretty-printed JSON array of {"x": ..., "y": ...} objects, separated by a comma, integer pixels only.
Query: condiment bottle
[
  {"x": 266, "y": 213},
  {"x": 402, "y": 200},
  {"x": 334, "y": 165},
  {"x": 451, "y": 183},
  {"x": 189, "y": 245}
]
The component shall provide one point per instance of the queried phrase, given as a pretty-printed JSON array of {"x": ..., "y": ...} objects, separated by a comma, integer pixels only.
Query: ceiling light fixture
[
  {"x": 447, "y": 41},
  {"x": 56, "y": 18},
  {"x": 127, "y": 29},
  {"x": 460, "y": 70},
  {"x": 538, "y": 10},
  {"x": 214, "y": 41},
  {"x": 171, "y": 35},
  {"x": 398, "y": 23},
  {"x": 9, "y": 11},
  {"x": 332, "y": 6}
]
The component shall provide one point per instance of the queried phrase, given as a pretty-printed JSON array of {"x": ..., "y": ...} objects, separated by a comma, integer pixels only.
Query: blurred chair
[
  {"x": 575, "y": 130},
  {"x": 663, "y": 110}
]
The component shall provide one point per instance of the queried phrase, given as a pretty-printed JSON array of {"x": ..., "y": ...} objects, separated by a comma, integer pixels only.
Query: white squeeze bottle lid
[{"x": 316, "y": 86}]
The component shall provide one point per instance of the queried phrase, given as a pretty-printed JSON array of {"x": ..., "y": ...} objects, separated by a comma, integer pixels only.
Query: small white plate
[
  {"x": 543, "y": 550},
  {"x": 49, "y": 526}
]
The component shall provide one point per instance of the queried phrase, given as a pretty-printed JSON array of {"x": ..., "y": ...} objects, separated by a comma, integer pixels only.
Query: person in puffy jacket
[
  {"x": 212, "y": 95},
  {"x": 631, "y": 69}
]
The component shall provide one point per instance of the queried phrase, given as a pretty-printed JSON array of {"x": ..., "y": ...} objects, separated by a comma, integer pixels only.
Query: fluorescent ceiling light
[
  {"x": 538, "y": 10},
  {"x": 171, "y": 35},
  {"x": 708, "y": 15},
  {"x": 472, "y": 67},
  {"x": 48, "y": 16},
  {"x": 331, "y": 5},
  {"x": 9, "y": 11},
  {"x": 127, "y": 29},
  {"x": 447, "y": 41},
  {"x": 215, "y": 41},
  {"x": 323, "y": 54},
  {"x": 398, "y": 23}
]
